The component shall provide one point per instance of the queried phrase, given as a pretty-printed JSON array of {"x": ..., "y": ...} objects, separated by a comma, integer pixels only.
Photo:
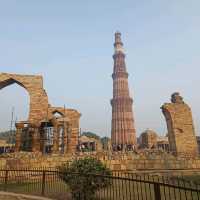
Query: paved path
[{"x": 13, "y": 196}]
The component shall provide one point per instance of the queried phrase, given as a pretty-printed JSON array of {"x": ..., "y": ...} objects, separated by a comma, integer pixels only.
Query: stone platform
[{"x": 131, "y": 161}]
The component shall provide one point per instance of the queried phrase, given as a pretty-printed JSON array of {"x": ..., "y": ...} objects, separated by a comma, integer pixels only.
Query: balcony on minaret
[{"x": 118, "y": 43}]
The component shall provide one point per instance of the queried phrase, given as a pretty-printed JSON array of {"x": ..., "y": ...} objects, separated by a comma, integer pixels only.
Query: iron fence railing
[{"x": 122, "y": 186}]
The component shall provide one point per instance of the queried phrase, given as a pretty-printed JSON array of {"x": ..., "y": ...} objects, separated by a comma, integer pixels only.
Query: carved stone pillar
[
  {"x": 55, "y": 137},
  {"x": 42, "y": 140},
  {"x": 66, "y": 130},
  {"x": 73, "y": 137},
  {"x": 19, "y": 127},
  {"x": 69, "y": 130},
  {"x": 35, "y": 137}
]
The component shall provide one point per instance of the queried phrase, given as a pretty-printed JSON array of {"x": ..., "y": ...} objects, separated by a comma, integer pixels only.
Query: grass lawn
[
  {"x": 119, "y": 189},
  {"x": 194, "y": 178},
  {"x": 57, "y": 190}
]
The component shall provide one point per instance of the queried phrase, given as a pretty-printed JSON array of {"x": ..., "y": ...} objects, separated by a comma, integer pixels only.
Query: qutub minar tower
[{"x": 123, "y": 131}]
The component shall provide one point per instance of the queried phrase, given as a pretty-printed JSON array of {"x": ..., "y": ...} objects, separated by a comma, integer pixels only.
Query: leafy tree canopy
[
  {"x": 9, "y": 136},
  {"x": 81, "y": 179},
  {"x": 105, "y": 139},
  {"x": 91, "y": 135}
]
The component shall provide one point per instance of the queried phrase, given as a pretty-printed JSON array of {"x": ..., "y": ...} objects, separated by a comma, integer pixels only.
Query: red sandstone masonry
[
  {"x": 123, "y": 130},
  {"x": 41, "y": 111},
  {"x": 181, "y": 133}
]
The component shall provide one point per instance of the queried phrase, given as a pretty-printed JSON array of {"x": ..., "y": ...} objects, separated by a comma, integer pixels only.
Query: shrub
[{"x": 84, "y": 177}]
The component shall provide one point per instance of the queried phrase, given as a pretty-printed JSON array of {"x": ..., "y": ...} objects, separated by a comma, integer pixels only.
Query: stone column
[
  {"x": 35, "y": 137},
  {"x": 19, "y": 128},
  {"x": 65, "y": 129},
  {"x": 55, "y": 137},
  {"x": 69, "y": 133},
  {"x": 42, "y": 140},
  {"x": 73, "y": 136}
]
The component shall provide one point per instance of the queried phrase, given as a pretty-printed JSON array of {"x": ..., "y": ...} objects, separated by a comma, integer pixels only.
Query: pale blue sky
[{"x": 71, "y": 44}]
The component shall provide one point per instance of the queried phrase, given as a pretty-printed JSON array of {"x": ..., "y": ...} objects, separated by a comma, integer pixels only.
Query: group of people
[
  {"x": 86, "y": 147},
  {"x": 123, "y": 147},
  {"x": 115, "y": 147},
  {"x": 6, "y": 150}
]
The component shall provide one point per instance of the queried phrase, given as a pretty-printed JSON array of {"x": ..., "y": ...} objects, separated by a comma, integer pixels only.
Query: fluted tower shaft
[{"x": 123, "y": 130}]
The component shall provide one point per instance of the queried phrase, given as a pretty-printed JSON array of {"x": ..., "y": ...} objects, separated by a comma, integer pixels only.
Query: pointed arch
[
  {"x": 33, "y": 84},
  {"x": 57, "y": 112},
  {"x": 10, "y": 81}
]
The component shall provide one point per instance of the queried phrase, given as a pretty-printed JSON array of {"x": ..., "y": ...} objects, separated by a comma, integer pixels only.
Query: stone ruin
[
  {"x": 181, "y": 133},
  {"x": 149, "y": 140},
  {"x": 46, "y": 132},
  {"x": 43, "y": 131}
]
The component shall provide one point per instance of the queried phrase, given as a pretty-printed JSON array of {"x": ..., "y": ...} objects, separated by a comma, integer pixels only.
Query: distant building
[
  {"x": 148, "y": 139},
  {"x": 163, "y": 143},
  {"x": 88, "y": 144}
]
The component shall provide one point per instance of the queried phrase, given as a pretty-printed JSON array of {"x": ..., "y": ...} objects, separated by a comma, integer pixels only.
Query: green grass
[
  {"x": 194, "y": 178},
  {"x": 121, "y": 190},
  {"x": 118, "y": 190},
  {"x": 57, "y": 189}
]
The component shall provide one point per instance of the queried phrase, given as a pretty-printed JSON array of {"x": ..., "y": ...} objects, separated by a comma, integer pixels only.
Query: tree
[
  {"x": 9, "y": 136},
  {"x": 84, "y": 177},
  {"x": 91, "y": 135},
  {"x": 105, "y": 142}
]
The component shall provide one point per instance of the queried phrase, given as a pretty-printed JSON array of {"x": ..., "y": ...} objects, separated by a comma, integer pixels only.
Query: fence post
[
  {"x": 43, "y": 182},
  {"x": 6, "y": 180},
  {"x": 157, "y": 191}
]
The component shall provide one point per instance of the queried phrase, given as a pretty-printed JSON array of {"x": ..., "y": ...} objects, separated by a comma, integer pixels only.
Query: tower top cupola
[{"x": 118, "y": 45}]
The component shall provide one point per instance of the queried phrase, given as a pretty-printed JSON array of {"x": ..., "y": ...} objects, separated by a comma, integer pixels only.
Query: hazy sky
[{"x": 71, "y": 44}]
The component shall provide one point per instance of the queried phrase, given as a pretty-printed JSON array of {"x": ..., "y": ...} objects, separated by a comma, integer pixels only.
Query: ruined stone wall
[
  {"x": 72, "y": 117},
  {"x": 41, "y": 111},
  {"x": 181, "y": 133},
  {"x": 124, "y": 162},
  {"x": 34, "y": 86}
]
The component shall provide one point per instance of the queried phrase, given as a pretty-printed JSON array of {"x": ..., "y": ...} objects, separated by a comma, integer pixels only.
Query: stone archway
[
  {"x": 181, "y": 133},
  {"x": 34, "y": 86},
  {"x": 41, "y": 117}
]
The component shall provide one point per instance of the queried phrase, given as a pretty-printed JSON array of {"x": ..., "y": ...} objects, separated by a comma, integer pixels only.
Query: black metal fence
[{"x": 122, "y": 186}]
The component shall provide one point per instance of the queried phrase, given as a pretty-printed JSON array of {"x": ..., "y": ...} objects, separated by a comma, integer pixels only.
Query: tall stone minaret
[{"x": 123, "y": 130}]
